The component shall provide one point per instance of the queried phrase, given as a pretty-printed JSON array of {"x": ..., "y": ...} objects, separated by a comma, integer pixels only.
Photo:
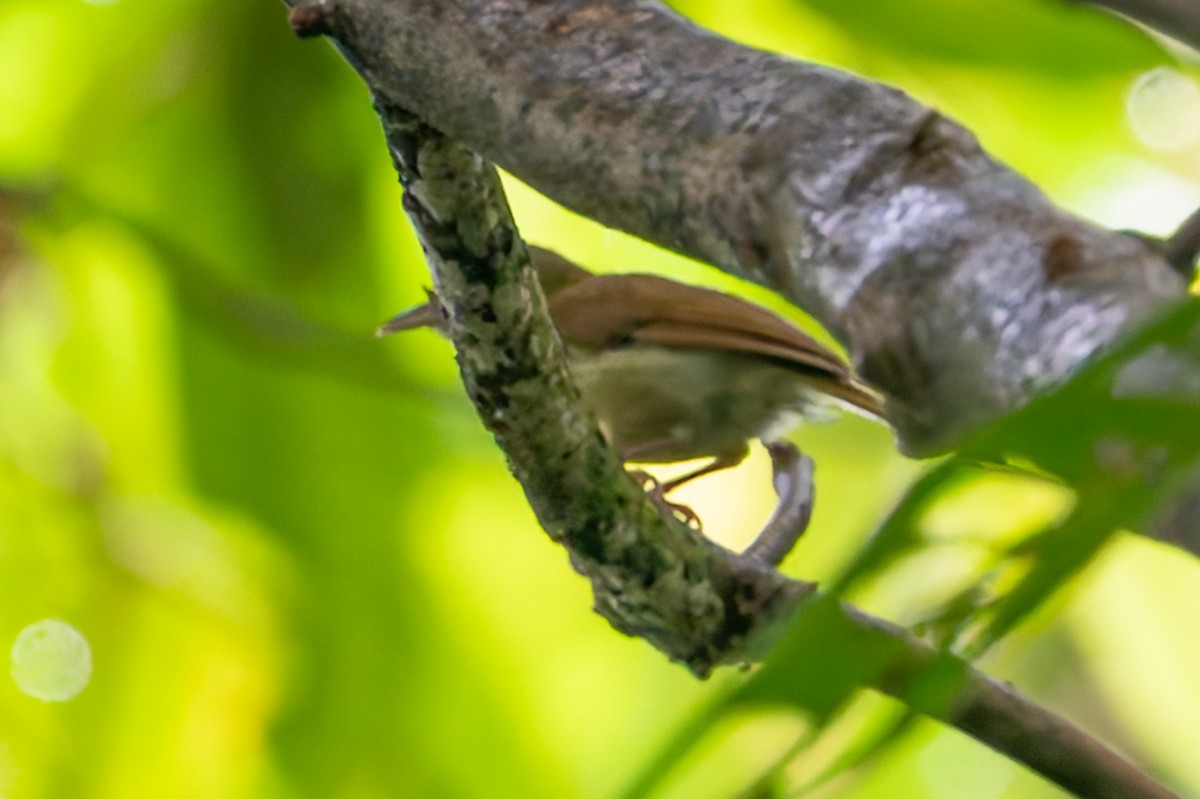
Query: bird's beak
[{"x": 427, "y": 315}]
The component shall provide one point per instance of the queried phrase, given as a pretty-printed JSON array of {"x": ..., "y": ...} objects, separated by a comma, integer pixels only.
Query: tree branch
[
  {"x": 1183, "y": 246},
  {"x": 1179, "y": 19},
  {"x": 993, "y": 712},
  {"x": 960, "y": 290},
  {"x": 653, "y": 576}
]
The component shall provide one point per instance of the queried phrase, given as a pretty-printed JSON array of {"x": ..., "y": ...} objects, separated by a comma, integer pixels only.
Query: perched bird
[{"x": 675, "y": 372}]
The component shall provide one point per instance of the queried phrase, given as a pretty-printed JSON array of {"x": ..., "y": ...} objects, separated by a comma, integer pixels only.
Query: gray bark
[
  {"x": 884, "y": 219},
  {"x": 958, "y": 288}
]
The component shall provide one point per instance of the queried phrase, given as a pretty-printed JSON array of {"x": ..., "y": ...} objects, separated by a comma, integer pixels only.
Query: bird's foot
[{"x": 657, "y": 490}]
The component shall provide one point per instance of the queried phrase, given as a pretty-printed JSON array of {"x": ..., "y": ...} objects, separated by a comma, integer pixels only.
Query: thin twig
[
  {"x": 793, "y": 478},
  {"x": 994, "y": 713},
  {"x": 1179, "y": 19},
  {"x": 1183, "y": 247}
]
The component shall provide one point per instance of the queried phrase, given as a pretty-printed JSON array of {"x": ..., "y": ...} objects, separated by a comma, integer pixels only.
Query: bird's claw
[
  {"x": 647, "y": 481},
  {"x": 657, "y": 493},
  {"x": 680, "y": 511}
]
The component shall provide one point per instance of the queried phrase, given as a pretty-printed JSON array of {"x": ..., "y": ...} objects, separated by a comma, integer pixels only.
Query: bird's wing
[{"x": 619, "y": 310}]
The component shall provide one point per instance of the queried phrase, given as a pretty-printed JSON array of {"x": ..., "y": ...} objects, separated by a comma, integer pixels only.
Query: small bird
[{"x": 675, "y": 372}]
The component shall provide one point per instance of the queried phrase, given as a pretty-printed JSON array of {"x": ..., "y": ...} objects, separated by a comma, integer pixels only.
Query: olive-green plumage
[{"x": 675, "y": 372}]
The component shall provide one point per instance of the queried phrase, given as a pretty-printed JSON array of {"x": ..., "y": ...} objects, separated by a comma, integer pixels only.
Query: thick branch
[
  {"x": 654, "y": 577},
  {"x": 958, "y": 287}
]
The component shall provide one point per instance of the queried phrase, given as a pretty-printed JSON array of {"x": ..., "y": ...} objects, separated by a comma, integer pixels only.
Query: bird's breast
[{"x": 673, "y": 404}]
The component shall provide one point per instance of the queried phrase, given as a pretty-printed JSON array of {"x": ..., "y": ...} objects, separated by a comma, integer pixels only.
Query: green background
[{"x": 300, "y": 563}]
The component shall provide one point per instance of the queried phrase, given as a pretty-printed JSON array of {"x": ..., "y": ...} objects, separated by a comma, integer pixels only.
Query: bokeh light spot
[
  {"x": 1163, "y": 107},
  {"x": 51, "y": 661}
]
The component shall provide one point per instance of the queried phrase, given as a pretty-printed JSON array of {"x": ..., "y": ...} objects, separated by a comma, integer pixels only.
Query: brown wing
[{"x": 616, "y": 310}]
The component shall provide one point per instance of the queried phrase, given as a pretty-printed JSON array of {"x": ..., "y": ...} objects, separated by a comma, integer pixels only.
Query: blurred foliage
[
  {"x": 298, "y": 561},
  {"x": 1130, "y": 458}
]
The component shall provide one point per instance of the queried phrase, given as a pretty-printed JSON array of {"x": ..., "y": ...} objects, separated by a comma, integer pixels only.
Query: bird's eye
[{"x": 623, "y": 341}]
